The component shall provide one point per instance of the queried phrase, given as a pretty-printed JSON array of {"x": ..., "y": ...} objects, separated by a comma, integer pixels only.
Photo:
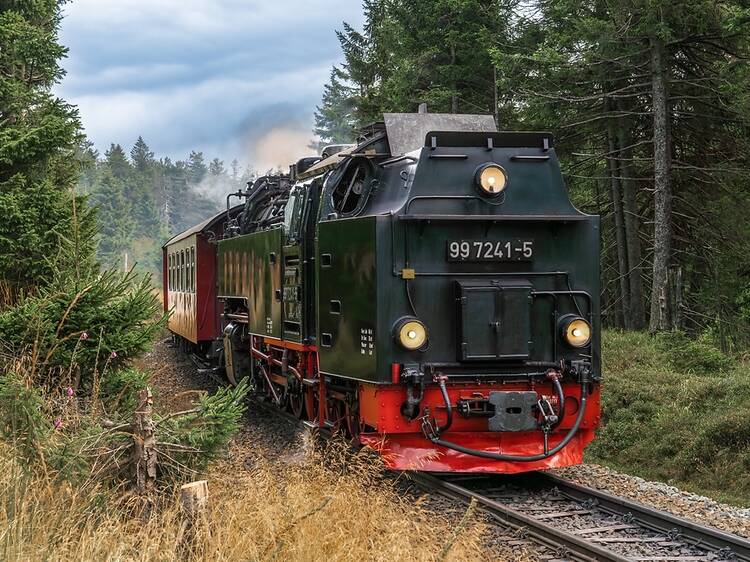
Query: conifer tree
[
  {"x": 141, "y": 155},
  {"x": 196, "y": 167},
  {"x": 118, "y": 163},
  {"x": 115, "y": 214},
  {"x": 39, "y": 146},
  {"x": 216, "y": 167}
]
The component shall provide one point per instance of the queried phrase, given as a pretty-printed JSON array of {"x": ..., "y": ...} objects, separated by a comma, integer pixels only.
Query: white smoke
[
  {"x": 273, "y": 150},
  {"x": 280, "y": 147}
]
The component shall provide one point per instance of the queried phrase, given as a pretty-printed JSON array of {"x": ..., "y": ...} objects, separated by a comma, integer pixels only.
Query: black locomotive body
[{"x": 431, "y": 291}]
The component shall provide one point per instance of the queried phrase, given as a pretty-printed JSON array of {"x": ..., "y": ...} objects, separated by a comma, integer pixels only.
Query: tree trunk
[
  {"x": 632, "y": 226},
  {"x": 660, "y": 289},
  {"x": 454, "y": 97},
  {"x": 143, "y": 456},
  {"x": 494, "y": 89},
  {"x": 622, "y": 256}
]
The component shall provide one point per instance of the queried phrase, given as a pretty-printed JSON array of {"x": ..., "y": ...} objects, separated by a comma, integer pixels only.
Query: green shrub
[
  {"x": 690, "y": 426},
  {"x": 195, "y": 438},
  {"x": 24, "y": 417},
  {"x": 697, "y": 356},
  {"x": 77, "y": 327},
  {"x": 120, "y": 388}
]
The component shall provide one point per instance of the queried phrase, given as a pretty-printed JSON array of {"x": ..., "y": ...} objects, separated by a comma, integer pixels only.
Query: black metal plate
[
  {"x": 489, "y": 250},
  {"x": 514, "y": 411}
]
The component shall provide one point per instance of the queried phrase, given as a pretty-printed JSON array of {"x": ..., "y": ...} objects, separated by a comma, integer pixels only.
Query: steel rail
[
  {"x": 540, "y": 532},
  {"x": 698, "y": 535},
  {"x": 714, "y": 541}
]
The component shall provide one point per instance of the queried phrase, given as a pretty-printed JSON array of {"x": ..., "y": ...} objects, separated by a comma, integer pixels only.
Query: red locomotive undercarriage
[{"x": 371, "y": 415}]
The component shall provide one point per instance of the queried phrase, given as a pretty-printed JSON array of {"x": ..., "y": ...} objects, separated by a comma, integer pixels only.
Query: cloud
[{"x": 212, "y": 75}]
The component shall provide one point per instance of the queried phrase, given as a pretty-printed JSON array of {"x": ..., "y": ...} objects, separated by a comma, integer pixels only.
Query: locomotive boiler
[{"x": 430, "y": 291}]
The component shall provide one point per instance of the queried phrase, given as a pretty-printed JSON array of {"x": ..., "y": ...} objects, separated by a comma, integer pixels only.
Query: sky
[{"x": 233, "y": 78}]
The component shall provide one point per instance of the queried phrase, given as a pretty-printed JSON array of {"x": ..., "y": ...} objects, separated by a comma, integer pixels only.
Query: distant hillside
[{"x": 142, "y": 200}]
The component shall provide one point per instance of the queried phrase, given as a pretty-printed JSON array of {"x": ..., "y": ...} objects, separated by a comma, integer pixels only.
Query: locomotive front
[{"x": 458, "y": 286}]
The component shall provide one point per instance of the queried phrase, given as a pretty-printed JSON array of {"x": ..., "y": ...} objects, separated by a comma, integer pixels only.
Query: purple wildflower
[
  {"x": 113, "y": 355},
  {"x": 58, "y": 423},
  {"x": 70, "y": 391},
  {"x": 84, "y": 335}
]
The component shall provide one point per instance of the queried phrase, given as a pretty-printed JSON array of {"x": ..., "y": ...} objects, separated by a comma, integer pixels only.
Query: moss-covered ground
[{"x": 678, "y": 411}]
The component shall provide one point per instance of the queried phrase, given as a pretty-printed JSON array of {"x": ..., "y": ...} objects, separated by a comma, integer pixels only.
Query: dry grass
[{"x": 308, "y": 509}]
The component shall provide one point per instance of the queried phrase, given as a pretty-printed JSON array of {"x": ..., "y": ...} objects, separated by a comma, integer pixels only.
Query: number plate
[{"x": 490, "y": 250}]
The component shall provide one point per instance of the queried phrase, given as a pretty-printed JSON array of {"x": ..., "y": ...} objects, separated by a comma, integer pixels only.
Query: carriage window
[
  {"x": 171, "y": 272},
  {"x": 183, "y": 274},
  {"x": 192, "y": 269},
  {"x": 293, "y": 213},
  {"x": 350, "y": 188}
]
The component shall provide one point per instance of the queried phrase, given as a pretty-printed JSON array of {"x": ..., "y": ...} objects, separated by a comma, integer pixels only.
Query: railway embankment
[{"x": 675, "y": 411}]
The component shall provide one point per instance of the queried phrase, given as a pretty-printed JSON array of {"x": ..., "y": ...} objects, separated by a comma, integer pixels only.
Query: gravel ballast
[{"x": 662, "y": 496}]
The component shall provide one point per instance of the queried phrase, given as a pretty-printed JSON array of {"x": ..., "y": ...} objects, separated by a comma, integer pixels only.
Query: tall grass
[{"x": 313, "y": 509}]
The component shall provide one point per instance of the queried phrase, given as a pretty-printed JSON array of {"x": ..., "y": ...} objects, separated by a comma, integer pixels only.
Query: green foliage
[
  {"x": 667, "y": 424},
  {"x": 141, "y": 201},
  {"x": 119, "y": 390},
  {"x": 196, "y": 167},
  {"x": 115, "y": 215},
  {"x": 694, "y": 356},
  {"x": 39, "y": 140},
  {"x": 22, "y": 416},
  {"x": 335, "y": 119},
  {"x": 435, "y": 52},
  {"x": 200, "y": 435},
  {"x": 82, "y": 324}
]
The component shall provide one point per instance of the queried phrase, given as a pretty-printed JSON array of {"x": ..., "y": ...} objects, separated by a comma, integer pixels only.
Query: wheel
[
  {"x": 296, "y": 401},
  {"x": 311, "y": 403},
  {"x": 337, "y": 415}
]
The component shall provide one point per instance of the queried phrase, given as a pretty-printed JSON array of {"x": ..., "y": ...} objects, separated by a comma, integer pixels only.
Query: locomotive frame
[{"x": 320, "y": 273}]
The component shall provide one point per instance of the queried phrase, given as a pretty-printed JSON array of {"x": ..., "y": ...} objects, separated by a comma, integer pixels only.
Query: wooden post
[
  {"x": 194, "y": 499},
  {"x": 194, "y": 507},
  {"x": 143, "y": 457}
]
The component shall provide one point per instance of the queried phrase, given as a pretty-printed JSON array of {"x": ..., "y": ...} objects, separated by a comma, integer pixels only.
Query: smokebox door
[{"x": 494, "y": 320}]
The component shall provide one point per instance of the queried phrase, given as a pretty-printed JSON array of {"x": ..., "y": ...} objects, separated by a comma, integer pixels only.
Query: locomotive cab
[{"x": 461, "y": 290}]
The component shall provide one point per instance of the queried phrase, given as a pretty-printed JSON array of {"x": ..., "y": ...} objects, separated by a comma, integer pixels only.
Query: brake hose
[
  {"x": 520, "y": 458},
  {"x": 448, "y": 408},
  {"x": 560, "y": 398}
]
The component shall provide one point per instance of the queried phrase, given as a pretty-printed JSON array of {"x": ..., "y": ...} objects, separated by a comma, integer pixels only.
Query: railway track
[
  {"x": 580, "y": 523},
  {"x": 574, "y": 522}
]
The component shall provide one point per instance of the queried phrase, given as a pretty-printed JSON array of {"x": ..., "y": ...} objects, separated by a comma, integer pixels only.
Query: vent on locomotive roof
[
  {"x": 332, "y": 149},
  {"x": 406, "y": 131}
]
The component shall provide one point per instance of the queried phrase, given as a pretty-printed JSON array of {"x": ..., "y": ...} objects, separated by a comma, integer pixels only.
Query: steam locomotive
[{"x": 431, "y": 292}]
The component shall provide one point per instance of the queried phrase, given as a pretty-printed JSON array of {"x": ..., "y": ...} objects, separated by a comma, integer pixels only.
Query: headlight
[
  {"x": 576, "y": 331},
  {"x": 491, "y": 179},
  {"x": 411, "y": 334}
]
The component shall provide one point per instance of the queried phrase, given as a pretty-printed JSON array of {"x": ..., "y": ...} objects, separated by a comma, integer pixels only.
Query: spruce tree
[
  {"x": 118, "y": 163},
  {"x": 116, "y": 222},
  {"x": 196, "y": 167},
  {"x": 216, "y": 167},
  {"x": 39, "y": 146},
  {"x": 141, "y": 155}
]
